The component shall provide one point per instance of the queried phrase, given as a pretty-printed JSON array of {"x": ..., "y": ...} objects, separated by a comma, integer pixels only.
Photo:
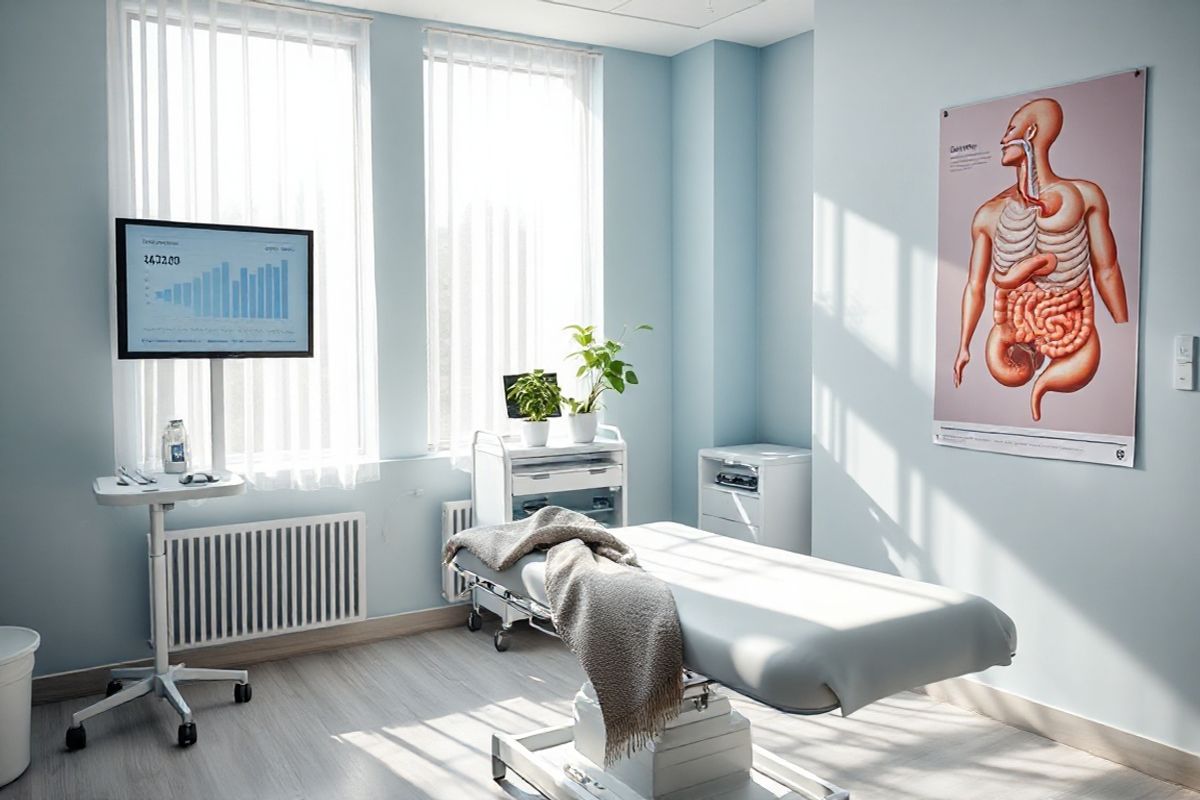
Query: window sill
[{"x": 440, "y": 455}]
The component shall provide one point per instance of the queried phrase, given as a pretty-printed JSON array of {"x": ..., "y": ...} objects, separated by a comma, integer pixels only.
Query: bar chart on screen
[{"x": 229, "y": 292}]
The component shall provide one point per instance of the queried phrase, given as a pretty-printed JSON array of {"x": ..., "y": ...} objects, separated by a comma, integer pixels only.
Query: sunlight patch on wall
[
  {"x": 910, "y": 560},
  {"x": 826, "y": 256},
  {"x": 922, "y": 319},
  {"x": 871, "y": 271},
  {"x": 873, "y": 463},
  {"x": 826, "y": 415},
  {"x": 980, "y": 560},
  {"x": 959, "y": 549}
]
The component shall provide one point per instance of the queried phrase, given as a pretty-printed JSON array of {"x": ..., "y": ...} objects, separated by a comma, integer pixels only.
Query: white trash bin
[{"x": 17, "y": 646}]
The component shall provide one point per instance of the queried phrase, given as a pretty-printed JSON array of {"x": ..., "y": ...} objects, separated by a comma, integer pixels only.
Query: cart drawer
[
  {"x": 735, "y": 506},
  {"x": 725, "y": 527},
  {"x": 594, "y": 476}
]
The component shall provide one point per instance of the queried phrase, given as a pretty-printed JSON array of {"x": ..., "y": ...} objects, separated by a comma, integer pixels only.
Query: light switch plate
[
  {"x": 1185, "y": 348},
  {"x": 1183, "y": 376}
]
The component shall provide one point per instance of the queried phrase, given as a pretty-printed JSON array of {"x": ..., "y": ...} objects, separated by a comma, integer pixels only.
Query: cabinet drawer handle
[
  {"x": 540, "y": 477},
  {"x": 598, "y": 470}
]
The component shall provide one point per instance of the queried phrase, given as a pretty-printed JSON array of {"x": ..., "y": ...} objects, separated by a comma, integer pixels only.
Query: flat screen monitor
[{"x": 191, "y": 290}]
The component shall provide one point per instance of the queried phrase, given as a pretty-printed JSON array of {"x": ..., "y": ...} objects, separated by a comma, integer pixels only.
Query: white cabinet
[
  {"x": 510, "y": 480},
  {"x": 758, "y": 492}
]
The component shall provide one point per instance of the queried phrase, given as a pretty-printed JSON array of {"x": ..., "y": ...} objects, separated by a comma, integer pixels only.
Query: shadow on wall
[{"x": 986, "y": 523}]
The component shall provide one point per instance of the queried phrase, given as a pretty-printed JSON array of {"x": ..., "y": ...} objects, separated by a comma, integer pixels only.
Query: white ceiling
[
  {"x": 686, "y": 13},
  {"x": 664, "y": 27}
]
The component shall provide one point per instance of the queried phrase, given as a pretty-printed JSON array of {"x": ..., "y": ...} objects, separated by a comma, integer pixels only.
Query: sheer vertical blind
[
  {"x": 514, "y": 219},
  {"x": 235, "y": 112}
]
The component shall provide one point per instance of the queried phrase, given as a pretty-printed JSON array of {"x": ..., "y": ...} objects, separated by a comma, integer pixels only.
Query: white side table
[
  {"x": 777, "y": 511},
  {"x": 161, "y": 679}
]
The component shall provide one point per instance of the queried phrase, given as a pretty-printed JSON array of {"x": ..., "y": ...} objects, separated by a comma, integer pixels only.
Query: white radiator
[
  {"x": 456, "y": 516},
  {"x": 244, "y": 581}
]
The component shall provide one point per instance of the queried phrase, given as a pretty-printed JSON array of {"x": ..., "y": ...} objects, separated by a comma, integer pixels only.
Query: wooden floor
[{"x": 411, "y": 718}]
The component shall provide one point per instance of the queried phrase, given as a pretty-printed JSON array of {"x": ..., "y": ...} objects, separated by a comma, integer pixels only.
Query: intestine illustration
[{"x": 1042, "y": 242}]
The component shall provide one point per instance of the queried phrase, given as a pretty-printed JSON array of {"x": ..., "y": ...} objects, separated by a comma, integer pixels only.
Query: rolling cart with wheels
[
  {"x": 162, "y": 678},
  {"x": 501, "y": 638},
  {"x": 510, "y": 480}
]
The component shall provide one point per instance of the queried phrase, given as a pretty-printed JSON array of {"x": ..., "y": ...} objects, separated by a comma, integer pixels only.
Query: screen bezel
[{"x": 123, "y": 351}]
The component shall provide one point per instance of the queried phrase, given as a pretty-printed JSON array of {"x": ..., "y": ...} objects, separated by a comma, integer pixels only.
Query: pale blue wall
[
  {"x": 397, "y": 142},
  {"x": 715, "y": 118},
  {"x": 735, "y": 253},
  {"x": 693, "y": 78},
  {"x": 1097, "y": 565},
  {"x": 65, "y": 567},
  {"x": 637, "y": 258},
  {"x": 785, "y": 160},
  {"x": 76, "y": 572}
]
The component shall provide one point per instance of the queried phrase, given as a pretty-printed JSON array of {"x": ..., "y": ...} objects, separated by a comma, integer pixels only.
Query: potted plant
[
  {"x": 601, "y": 371},
  {"x": 537, "y": 397}
]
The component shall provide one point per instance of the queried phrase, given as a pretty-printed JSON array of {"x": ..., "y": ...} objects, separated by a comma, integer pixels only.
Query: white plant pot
[
  {"x": 535, "y": 434},
  {"x": 583, "y": 428}
]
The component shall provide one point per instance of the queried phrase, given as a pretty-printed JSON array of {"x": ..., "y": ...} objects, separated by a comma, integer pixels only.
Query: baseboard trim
[
  {"x": 1154, "y": 758},
  {"x": 83, "y": 682}
]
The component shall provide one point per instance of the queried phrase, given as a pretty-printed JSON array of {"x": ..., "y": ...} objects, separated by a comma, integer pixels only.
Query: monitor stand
[{"x": 216, "y": 404}]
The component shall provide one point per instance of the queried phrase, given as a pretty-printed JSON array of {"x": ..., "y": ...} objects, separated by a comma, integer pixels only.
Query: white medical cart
[
  {"x": 775, "y": 509},
  {"x": 509, "y": 480}
]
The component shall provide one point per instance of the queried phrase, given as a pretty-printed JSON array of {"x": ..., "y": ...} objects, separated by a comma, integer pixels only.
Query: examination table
[{"x": 795, "y": 632}]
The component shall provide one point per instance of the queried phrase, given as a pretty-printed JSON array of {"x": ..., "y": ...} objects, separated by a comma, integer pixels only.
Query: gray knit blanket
[{"x": 618, "y": 620}]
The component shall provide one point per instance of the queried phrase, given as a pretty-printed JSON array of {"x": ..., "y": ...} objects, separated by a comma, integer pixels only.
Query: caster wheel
[
  {"x": 76, "y": 738},
  {"x": 242, "y": 693},
  {"x": 474, "y": 621},
  {"x": 501, "y": 641},
  {"x": 113, "y": 687},
  {"x": 187, "y": 734}
]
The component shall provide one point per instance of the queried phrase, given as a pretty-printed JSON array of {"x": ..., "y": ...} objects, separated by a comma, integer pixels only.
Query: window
[
  {"x": 234, "y": 112},
  {"x": 513, "y": 216}
]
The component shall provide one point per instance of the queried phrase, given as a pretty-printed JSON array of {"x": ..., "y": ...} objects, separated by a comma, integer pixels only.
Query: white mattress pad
[{"x": 800, "y": 633}]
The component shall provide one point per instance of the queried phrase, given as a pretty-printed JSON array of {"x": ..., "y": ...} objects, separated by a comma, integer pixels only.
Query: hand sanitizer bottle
[{"x": 175, "y": 450}]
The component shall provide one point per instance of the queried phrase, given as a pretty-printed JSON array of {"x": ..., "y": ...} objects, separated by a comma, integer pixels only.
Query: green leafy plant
[
  {"x": 601, "y": 368},
  {"x": 536, "y": 395}
]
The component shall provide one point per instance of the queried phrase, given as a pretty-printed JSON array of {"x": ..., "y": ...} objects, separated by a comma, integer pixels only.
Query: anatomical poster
[{"x": 1039, "y": 245}]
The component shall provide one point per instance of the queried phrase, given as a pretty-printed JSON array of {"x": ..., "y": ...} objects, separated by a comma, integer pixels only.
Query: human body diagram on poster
[{"x": 1044, "y": 242}]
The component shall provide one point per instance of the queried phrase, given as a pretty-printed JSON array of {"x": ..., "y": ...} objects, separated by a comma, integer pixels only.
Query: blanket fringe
[{"x": 631, "y": 733}]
